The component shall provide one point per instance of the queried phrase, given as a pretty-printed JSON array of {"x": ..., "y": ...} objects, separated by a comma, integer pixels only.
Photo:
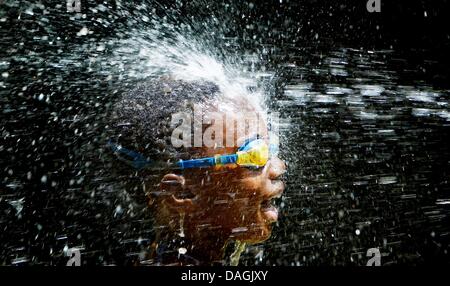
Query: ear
[{"x": 174, "y": 186}]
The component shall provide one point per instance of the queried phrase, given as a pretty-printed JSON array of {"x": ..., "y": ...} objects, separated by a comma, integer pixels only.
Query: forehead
[{"x": 242, "y": 118}]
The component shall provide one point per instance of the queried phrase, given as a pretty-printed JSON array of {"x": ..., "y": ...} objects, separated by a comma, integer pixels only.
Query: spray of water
[
  {"x": 79, "y": 61},
  {"x": 188, "y": 59},
  {"x": 149, "y": 55}
]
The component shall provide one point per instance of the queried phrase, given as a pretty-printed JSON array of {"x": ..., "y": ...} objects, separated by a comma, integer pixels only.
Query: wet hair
[
  {"x": 141, "y": 119},
  {"x": 115, "y": 196}
]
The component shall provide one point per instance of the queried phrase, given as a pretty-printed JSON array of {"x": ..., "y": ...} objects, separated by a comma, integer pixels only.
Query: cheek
[
  {"x": 237, "y": 199},
  {"x": 236, "y": 213},
  {"x": 247, "y": 199},
  {"x": 241, "y": 210},
  {"x": 252, "y": 186}
]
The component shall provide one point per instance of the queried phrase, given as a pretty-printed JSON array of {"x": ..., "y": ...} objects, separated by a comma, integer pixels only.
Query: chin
[{"x": 256, "y": 235}]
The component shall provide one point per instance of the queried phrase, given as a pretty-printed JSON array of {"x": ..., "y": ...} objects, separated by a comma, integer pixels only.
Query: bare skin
[{"x": 209, "y": 207}]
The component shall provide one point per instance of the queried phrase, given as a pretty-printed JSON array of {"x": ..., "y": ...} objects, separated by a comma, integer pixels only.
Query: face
[
  {"x": 240, "y": 200},
  {"x": 231, "y": 200}
]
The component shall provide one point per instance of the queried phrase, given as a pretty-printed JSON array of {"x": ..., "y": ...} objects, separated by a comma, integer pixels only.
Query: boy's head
[{"x": 228, "y": 201}]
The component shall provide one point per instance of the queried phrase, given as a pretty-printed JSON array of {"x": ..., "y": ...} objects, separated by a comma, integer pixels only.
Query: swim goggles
[{"x": 253, "y": 153}]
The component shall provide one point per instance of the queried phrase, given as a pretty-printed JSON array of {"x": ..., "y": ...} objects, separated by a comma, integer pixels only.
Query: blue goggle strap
[
  {"x": 139, "y": 161},
  {"x": 135, "y": 159},
  {"x": 208, "y": 162}
]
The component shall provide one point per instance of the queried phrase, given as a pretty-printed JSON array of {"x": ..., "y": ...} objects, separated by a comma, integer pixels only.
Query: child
[{"x": 197, "y": 210}]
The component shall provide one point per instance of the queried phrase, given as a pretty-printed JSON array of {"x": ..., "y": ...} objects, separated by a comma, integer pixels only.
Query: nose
[
  {"x": 272, "y": 186},
  {"x": 277, "y": 168}
]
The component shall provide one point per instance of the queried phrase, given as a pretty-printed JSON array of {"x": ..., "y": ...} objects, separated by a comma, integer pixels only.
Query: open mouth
[{"x": 270, "y": 212}]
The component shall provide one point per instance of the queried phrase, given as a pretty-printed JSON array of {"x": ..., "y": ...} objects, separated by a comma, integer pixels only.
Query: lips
[
  {"x": 270, "y": 212},
  {"x": 273, "y": 189}
]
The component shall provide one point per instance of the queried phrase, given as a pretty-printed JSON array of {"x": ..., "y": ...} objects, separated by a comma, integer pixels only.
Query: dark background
[{"x": 43, "y": 161}]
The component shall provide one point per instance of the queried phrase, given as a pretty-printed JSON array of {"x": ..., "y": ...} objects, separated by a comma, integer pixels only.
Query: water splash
[{"x": 187, "y": 58}]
